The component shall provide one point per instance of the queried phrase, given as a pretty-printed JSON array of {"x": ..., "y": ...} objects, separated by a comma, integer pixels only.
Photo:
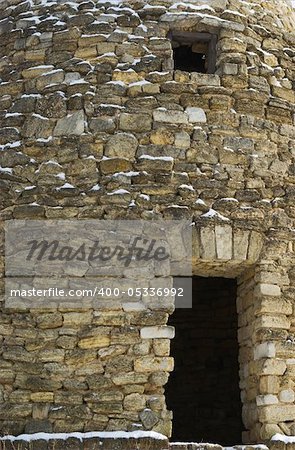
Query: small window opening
[{"x": 194, "y": 52}]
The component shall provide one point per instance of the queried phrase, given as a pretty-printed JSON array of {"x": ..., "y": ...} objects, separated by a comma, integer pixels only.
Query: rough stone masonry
[{"x": 95, "y": 123}]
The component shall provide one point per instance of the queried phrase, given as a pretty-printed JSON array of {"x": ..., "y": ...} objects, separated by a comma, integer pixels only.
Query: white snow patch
[
  {"x": 66, "y": 186},
  {"x": 5, "y": 169},
  {"x": 119, "y": 192},
  {"x": 52, "y": 162},
  {"x": 88, "y": 435},
  {"x": 61, "y": 176},
  {"x": 44, "y": 140},
  {"x": 189, "y": 187},
  {"x": 145, "y": 197},
  {"x": 127, "y": 174},
  {"x": 282, "y": 437},
  {"x": 10, "y": 145},
  {"x": 212, "y": 213},
  {"x": 96, "y": 187},
  {"x": 158, "y": 158},
  {"x": 12, "y": 115}
]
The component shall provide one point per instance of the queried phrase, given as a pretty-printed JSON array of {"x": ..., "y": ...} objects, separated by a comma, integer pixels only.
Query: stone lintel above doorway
[{"x": 223, "y": 250}]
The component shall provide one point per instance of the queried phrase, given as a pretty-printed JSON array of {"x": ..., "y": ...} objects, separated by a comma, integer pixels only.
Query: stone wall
[{"x": 95, "y": 123}]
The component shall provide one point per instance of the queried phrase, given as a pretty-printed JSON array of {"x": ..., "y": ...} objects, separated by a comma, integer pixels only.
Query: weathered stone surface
[
  {"x": 53, "y": 105},
  {"x": 9, "y": 134},
  {"x": 148, "y": 418},
  {"x": 177, "y": 117},
  {"x": 98, "y": 125},
  {"x": 157, "y": 332},
  {"x": 94, "y": 342},
  {"x": 135, "y": 122},
  {"x": 121, "y": 145},
  {"x": 72, "y": 124},
  {"x": 114, "y": 165},
  {"x": 150, "y": 364},
  {"x": 196, "y": 115},
  {"x": 38, "y": 126}
]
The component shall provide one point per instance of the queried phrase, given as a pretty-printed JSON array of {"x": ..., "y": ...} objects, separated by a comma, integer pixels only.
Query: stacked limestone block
[{"x": 96, "y": 124}]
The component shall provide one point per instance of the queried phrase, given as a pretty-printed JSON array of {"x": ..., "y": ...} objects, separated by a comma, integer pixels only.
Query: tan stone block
[
  {"x": 151, "y": 88},
  {"x": 241, "y": 241},
  {"x": 94, "y": 342},
  {"x": 84, "y": 359},
  {"x": 113, "y": 165},
  {"x": 287, "y": 396},
  {"x": 161, "y": 347},
  {"x": 267, "y": 289},
  {"x": 135, "y": 122},
  {"x": 125, "y": 335},
  {"x": 170, "y": 116},
  {"x": 208, "y": 250},
  {"x": 86, "y": 52},
  {"x": 129, "y": 378},
  {"x": 265, "y": 350},
  {"x": 276, "y": 413},
  {"x": 273, "y": 367},
  {"x": 109, "y": 318},
  {"x": 162, "y": 136},
  {"x": 286, "y": 94},
  {"x": 268, "y": 431},
  {"x": 255, "y": 246},
  {"x": 223, "y": 236},
  {"x": 153, "y": 364},
  {"x": 42, "y": 397},
  {"x": 126, "y": 76},
  {"x": 268, "y": 399},
  {"x": 56, "y": 355},
  {"x": 33, "y": 72},
  {"x": 89, "y": 40},
  {"x": 273, "y": 306},
  {"x": 277, "y": 445},
  {"x": 157, "y": 332},
  {"x": 19, "y": 396},
  {"x": 35, "y": 55},
  {"x": 134, "y": 402},
  {"x": 77, "y": 318},
  {"x": 267, "y": 321},
  {"x": 269, "y": 384}
]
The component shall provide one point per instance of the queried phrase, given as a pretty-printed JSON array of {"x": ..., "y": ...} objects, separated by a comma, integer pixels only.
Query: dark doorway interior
[
  {"x": 189, "y": 61},
  {"x": 203, "y": 390}
]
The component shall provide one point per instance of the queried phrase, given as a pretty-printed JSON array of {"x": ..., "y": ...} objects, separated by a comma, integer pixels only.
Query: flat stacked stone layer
[
  {"x": 130, "y": 443},
  {"x": 78, "y": 441}
]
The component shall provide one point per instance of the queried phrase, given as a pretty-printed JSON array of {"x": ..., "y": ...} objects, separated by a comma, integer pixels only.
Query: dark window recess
[{"x": 194, "y": 52}]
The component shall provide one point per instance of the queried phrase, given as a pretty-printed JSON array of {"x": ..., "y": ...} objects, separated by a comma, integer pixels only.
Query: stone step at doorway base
[{"x": 279, "y": 443}]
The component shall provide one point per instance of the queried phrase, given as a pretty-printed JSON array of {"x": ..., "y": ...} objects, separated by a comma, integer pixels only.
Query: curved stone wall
[{"x": 97, "y": 124}]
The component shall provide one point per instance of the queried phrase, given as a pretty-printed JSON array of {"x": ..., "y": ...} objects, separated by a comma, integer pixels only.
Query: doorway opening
[{"x": 203, "y": 390}]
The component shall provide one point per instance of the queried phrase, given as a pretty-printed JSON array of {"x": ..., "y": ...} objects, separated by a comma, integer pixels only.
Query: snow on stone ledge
[
  {"x": 81, "y": 436},
  {"x": 283, "y": 437}
]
